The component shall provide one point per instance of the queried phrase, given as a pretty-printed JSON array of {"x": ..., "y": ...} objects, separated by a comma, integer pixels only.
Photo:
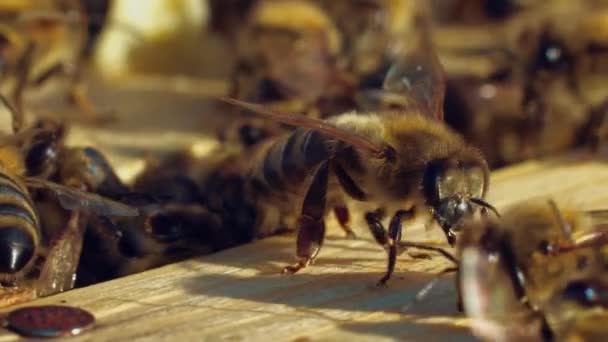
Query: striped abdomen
[
  {"x": 19, "y": 227},
  {"x": 287, "y": 163}
]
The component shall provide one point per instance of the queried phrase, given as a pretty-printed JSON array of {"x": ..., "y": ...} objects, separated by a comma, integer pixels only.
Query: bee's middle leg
[
  {"x": 343, "y": 216},
  {"x": 311, "y": 224}
]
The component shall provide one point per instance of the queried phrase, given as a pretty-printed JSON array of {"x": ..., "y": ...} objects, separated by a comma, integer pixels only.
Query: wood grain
[{"x": 239, "y": 295}]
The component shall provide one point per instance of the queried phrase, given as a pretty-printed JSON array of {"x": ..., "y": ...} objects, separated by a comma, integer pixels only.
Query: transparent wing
[
  {"x": 59, "y": 271},
  {"x": 417, "y": 83},
  {"x": 298, "y": 120},
  {"x": 74, "y": 199},
  {"x": 490, "y": 300}
]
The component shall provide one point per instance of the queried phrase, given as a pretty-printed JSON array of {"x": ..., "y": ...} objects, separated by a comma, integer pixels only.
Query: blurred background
[{"x": 525, "y": 78}]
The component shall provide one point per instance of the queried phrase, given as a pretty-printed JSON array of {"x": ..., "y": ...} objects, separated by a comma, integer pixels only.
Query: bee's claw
[
  {"x": 292, "y": 269},
  {"x": 382, "y": 282},
  {"x": 351, "y": 235}
]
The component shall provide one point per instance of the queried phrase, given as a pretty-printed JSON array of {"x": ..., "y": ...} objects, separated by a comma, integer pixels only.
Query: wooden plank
[{"x": 239, "y": 295}]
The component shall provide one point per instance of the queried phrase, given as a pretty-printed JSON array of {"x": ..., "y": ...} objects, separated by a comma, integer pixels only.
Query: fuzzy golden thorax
[{"x": 418, "y": 150}]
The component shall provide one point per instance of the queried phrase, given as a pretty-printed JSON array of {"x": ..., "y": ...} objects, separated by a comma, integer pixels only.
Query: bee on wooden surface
[
  {"x": 404, "y": 162},
  {"x": 190, "y": 206},
  {"x": 215, "y": 183},
  {"x": 40, "y": 244},
  {"x": 536, "y": 273}
]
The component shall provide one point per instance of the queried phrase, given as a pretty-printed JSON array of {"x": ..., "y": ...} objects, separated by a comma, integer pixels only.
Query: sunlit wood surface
[{"x": 238, "y": 294}]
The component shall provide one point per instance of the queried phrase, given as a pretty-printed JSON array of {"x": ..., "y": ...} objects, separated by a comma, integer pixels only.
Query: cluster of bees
[{"x": 390, "y": 118}]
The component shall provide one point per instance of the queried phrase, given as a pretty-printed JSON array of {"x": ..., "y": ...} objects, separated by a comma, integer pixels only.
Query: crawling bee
[
  {"x": 405, "y": 162},
  {"x": 536, "y": 273},
  {"x": 29, "y": 232}
]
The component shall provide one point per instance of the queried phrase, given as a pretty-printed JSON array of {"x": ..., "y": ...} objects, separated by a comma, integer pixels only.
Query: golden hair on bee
[{"x": 298, "y": 16}]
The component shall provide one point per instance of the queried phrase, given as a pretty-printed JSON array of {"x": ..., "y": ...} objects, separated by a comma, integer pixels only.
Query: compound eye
[
  {"x": 251, "y": 135},
  {"x": 40, "y": 157},
  {"x": 586, "y": 294},
  {"x": 475, "y": 181},
  {"x": 449, "y": 183},
  {"x": 552, "y": 54}
]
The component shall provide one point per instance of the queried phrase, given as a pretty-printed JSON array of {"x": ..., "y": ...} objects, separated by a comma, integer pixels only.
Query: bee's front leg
[
  {"x": 311, "y": 224},
  {"x": 391, "y": 240},
  {"x": 59, "y": 271},
  {"x": 77, "y": 95}
]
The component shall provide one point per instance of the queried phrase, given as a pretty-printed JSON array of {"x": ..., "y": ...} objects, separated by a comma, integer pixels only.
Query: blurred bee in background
[
  {"x": 40, "y": 41},
  {"x": 542, "y": 93},
  {"x": 405, "y": 162},
  {"x": 317, "y": 57},
  {"x": 44, "y": 221},
  {"x": 190, "y": 206},
  {"x": 537, "y": 273},
  {"x": 228, "y": 16},
  {"x": 477, "y": 12}
]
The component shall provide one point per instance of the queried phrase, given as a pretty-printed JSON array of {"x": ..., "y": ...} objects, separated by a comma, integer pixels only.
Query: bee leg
[
  {"x": 377, "y": 229},
  {"x": 343, "y": 217},
  {"x": 311, "y": 224},
  {"x": 23, "y": 73},
  {"x": 394, "y": 233},
  {"x": 391, "y": 240},
  {"x": 77, "y": 94}
]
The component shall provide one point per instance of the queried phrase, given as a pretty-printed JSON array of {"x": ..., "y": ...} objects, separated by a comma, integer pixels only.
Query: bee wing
[
  {"x": 490, "y": 300},
  {"x": 58, "y": 273},
  {"x": 418, "y": 79},
  {"x": 298, "y": 120},
  {"x": 74, "y": 199}
]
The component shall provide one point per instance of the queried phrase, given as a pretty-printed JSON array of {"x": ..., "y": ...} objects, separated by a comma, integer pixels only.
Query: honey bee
[
  {"x": 190, "y": 206},
  {"x": 536, "y": 273},
  {"x": 38, "y": 44},
  {"x": 27, "y": 235},
  {"x": 543, "y": 93},
  {"x": 317, "y": 57},
  {"x": 406, "y": 162}
]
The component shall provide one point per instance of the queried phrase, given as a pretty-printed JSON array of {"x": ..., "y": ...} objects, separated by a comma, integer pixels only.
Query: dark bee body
[
  {"x": 19, "y": 228},
  {"x": 46, "y": 200}
]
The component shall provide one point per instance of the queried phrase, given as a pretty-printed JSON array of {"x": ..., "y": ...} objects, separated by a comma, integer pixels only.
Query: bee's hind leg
[{"x": 311, "y": 224}]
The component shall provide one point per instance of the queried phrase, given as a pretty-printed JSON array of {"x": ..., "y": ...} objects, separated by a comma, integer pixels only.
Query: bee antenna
[
  {"x": 485, "y": 204},
  {"x": 566, "y": 229}
]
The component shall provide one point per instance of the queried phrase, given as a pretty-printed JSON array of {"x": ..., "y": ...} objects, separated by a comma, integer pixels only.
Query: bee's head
[{"x": 453, "y": 187}]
